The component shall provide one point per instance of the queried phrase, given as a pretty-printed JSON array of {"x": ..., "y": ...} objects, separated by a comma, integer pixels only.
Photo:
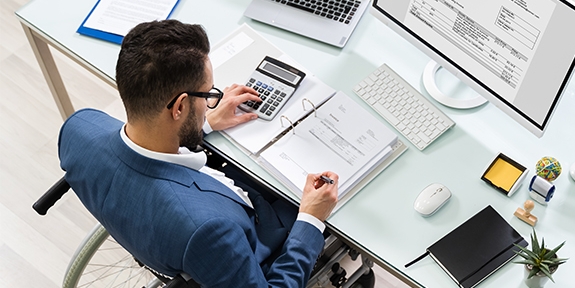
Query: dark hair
[{"x": 157, "y": 61}]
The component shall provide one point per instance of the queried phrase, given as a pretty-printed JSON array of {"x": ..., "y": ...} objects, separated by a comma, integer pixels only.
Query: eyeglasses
[{"x": 214, "y": 97}]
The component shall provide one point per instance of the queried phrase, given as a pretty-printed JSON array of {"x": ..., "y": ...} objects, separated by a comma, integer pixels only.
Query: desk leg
[{"x": 51, "y": 73}]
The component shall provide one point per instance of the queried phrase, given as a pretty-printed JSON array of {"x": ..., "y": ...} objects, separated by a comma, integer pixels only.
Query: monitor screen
[{"x": 518, "y": 54}]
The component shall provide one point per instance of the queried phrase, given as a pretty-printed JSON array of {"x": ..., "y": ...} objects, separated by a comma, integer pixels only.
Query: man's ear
[{"x": 179, "y": 106}]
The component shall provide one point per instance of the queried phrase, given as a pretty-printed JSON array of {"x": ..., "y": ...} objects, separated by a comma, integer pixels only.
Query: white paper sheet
[
  {"x": 120, "y": 16},
  {"x": 342, "y": 138}
]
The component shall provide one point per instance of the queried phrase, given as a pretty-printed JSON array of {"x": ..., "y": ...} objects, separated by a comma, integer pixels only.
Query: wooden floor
[{"x": 35, "y": 250}]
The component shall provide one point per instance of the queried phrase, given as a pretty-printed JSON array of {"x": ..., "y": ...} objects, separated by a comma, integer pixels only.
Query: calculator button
[
  {"x": 270, "y": 88},
  {"x": 264, "y": 108},
  {"x": 252, "y": 80},
  {"x": 250, "y": 103},
  {"x": 256, "y": 87},
  {"x": 273, "y": 96},
  {"x": 279, "y": 99},
  {"x": 263, "y": 97},
  {"x": 264, "y": 86},
  {"x": 261, "y": 90},
  {"x": 276, "y": 103},
  {"x": 259, "y": 83},
  {"x": 283, "y": 94},
  {"x": 269, "y": 113},
  {"x": 272, "y": 108},
  {"x": 277, "y": 92},
  {"x": 267, "y": 93},
  {"x": 257, "y": 105},
  {"x": 270, "y": 101},
  {"x": 249, "y": 84}
]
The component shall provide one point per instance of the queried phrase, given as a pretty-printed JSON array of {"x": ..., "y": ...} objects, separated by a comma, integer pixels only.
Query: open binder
[{"x": 317, "y": 130}]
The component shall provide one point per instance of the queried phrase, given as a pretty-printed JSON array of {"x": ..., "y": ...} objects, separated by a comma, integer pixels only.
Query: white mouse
[
  {"x": 572, "y": 171},
  {"x": 431, "y": 198}
]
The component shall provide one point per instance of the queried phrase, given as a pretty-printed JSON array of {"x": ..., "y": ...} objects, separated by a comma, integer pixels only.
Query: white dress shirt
[{"x": 197, "y": 161}]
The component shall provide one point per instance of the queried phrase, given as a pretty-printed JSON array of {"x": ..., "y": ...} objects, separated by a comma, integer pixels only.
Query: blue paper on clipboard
[{"x": 111, "y": 20}]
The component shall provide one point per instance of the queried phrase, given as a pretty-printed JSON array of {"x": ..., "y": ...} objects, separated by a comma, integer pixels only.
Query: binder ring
[
  {"x": 303, "y": 105},
  {"x": 291, "y": 123}
]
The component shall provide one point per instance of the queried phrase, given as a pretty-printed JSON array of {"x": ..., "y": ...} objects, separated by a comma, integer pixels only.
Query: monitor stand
[{"x": 431, "y": 86}]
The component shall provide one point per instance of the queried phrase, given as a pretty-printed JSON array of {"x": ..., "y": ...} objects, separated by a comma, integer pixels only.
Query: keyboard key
[{"x": 387, "y": 115}]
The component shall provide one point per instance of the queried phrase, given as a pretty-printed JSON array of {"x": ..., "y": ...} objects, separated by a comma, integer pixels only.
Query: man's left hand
[{"x": 224, "y": 116}]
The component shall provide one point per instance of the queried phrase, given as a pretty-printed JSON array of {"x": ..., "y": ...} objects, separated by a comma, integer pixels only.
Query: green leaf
[
  {"x": 545, "y": 270},
  {"x": 547, "y": 273},
  {"x": 530, "y": 262},
  {"x": 533, "y": 271},
  {"x": 528, "y": 252},
  {"x": 521, "y": 249},
  {"x": 524, "y": 256},
  {"x": 561, "y": 261},
  {"x": 535, "y": 243},
  {"x": 554, "y": 251},
  {"x": 532, "y": 254}
]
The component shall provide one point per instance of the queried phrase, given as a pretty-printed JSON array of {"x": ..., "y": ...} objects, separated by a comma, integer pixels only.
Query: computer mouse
[
  {"x": 572, "y": 171},
  {"x": 431, "y": 198}
]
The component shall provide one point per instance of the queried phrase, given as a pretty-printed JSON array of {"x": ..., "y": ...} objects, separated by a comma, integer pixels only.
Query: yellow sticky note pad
[{"x": 504, "y": 174}]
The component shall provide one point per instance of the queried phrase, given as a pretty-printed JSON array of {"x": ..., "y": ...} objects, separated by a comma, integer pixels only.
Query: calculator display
[{"x": 279, "y": 72}]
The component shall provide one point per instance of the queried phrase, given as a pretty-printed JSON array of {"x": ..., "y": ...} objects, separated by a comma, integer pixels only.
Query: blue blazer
[{"x": 176, "y": 219}]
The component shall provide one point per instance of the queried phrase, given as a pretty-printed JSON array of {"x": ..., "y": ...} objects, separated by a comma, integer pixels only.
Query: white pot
[{"x": 538, "y": 280}]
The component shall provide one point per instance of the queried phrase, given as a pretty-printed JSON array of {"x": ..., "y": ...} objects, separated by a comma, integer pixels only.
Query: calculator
[{"x": 275, "y": 82}]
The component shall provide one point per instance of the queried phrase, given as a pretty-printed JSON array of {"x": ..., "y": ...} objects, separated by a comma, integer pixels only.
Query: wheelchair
[{"x": 99, "y": 261}]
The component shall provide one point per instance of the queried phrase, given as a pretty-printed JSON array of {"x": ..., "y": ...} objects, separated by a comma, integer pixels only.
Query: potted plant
[{"x": 540, "y": 262}]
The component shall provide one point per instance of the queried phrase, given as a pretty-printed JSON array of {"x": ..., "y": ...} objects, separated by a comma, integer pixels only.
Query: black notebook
[{"x": 477, "y": 248}]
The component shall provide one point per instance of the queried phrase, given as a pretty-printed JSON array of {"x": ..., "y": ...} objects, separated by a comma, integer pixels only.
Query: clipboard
[{"x": 105, "y": 35}]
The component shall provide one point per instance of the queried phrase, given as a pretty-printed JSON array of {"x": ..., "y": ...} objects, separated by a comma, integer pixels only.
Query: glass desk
[{"x": 380, "y": 219}]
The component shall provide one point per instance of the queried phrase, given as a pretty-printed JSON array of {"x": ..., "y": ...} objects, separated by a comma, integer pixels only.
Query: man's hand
[
  {"x": 319, "y": 198},
  {"x": 224, "y": 116}
]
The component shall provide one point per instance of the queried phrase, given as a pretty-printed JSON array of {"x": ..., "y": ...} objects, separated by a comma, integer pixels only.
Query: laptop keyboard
[{"x": 337, "y": 10}]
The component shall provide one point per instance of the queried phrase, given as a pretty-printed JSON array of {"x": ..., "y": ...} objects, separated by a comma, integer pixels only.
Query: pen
[{"x": 326, "y": 179}]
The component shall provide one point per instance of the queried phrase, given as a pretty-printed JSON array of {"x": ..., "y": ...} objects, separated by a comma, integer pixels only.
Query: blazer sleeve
[{"x": 219, "y": 255}]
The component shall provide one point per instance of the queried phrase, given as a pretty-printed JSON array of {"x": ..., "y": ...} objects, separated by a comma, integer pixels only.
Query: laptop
[{"x": 329, "y": 21}]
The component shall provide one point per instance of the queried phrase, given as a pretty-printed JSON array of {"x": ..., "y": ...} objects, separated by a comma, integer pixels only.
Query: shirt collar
[{"x": 184, "y": 157}]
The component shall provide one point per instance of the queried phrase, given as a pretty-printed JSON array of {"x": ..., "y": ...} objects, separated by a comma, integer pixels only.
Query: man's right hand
[
  {"x": 319, "y": 198},
  {"x": 224, "y": 116}
]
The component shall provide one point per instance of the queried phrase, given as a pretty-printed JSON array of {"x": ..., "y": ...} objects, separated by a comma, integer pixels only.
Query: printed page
[
  {"x": 120, "y": 16},
  {"x": 342, "y": 137}
]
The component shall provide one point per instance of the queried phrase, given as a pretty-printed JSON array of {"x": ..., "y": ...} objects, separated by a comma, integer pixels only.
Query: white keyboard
[{"x": 403, "y": 106}]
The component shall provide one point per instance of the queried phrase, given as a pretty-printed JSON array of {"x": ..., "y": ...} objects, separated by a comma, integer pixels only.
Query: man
[{"x": 158, "y": 200}]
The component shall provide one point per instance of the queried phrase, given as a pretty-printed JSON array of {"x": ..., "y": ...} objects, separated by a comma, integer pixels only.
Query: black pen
[{"x": 326, "y": 179}]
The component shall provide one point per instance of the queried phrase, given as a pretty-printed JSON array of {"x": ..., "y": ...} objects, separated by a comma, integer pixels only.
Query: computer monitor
[{"x": 518, "y": 54}]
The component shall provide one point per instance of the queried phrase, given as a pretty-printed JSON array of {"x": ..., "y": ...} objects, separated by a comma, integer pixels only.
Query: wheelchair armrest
[{"x": 51, "y": 196}]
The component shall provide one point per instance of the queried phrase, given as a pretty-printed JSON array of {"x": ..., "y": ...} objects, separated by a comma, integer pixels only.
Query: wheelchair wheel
[{"x": 101, "y": 262}]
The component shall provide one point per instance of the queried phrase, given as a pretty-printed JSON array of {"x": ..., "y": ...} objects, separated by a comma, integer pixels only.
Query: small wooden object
[{"x": 525, "y": 215}]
